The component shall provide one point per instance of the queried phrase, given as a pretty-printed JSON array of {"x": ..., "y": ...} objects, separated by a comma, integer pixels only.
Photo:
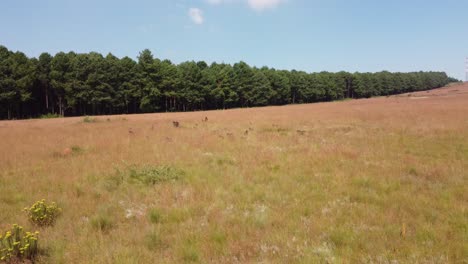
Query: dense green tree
[
  {"x": 91, "y": 84},
  {"x": 261, "y": 90},
  {"x": 243, "y": 82},
  {"x": 150, "y": 78},
  {"x": 169, "y": 85},
  {"x": 298, "y": 83},
  {"x": 223, "y": 89},
  {"x": 191, "y": 91},
  {"x": 128, "y": 88},
  {"x": 17, "y": 74},
  {"x": 280, "y": 85},
  {"x": 43, "y": 77}
]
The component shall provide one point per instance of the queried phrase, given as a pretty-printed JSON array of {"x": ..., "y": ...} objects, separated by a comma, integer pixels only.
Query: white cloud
[
  {"x": 196, "y": 15},
  {"x": 258, "y": 5}
]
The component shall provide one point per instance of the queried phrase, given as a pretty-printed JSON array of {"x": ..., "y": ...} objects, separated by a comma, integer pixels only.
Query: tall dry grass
[{"x": 364, "y": 181}]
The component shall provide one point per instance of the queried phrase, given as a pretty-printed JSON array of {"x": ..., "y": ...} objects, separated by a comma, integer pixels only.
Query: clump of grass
[
  {"x": 76, "y": 149},
  {"x": 102, "y": 222},
  {"x": 155, "y": 216},
  {"x": 219, "y": 240},
  {"x": 173, "y": 216},
  {"x": 425, "y": 235},
  {"x": 50, "y": 115},
  {"x": 275, "y": 129},
  {"x": 222, "y": 161},
  {"x": 150, "y": 175},
  {"x": 11, "y": 197},
  {"x": 113, "y": 182},
  {"x": 153, "y": 240},
  {"x": 413, "y": 172},
  {"x": 88, "y": 119},
  {"x": 342, "y": 237},
  {"x": 43, "y": 214},
  {"x": 17, "y": 245},
  {"x": 78, "y": 190},
  {"x": 190, "y": 251},
  {"x": 147, "y": 175},
  {"x": 178, "y": 215}
]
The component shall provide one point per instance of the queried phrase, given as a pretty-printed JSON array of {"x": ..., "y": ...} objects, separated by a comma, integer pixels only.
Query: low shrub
[
  {"x": 146, "y": 175},
  {"x": 43, "y": 214},
  {"x": 16, "y": 244},
  {"x": 152, "y": 175}
]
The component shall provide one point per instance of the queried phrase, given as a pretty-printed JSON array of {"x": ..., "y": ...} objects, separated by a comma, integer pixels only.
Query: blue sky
[{"x": 309, "y": 35}]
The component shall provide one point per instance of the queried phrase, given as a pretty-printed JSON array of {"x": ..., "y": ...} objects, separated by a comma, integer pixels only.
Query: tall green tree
[
  {"x": 150, "y": 79},
  {"x": 17, "y": 78}
]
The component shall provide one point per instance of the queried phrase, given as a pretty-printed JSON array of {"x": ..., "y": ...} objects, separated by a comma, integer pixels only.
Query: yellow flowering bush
[
  {"x": 43, "y": 214},
  {"x": 17, "y": 244}
]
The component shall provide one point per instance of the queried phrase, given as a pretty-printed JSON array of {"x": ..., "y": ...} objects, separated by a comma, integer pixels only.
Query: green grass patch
[
  {"x": 150, "y": 175},
  {"x": 145, "y": 175},
  {"x": 342, "y": 237},
  {"x": 155, "y": 216},
  {"x": 190, "y": 251},
  {"x": 102, "y": 221}
]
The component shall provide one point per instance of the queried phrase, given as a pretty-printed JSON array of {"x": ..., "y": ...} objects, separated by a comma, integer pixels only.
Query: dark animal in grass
[{"x": 175, "y": 123}]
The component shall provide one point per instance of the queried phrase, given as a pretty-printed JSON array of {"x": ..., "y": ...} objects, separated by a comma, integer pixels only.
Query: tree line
[{"x": 73, "y": 84}]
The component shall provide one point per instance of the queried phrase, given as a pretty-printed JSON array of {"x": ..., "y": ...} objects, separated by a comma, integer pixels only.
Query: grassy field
[{"x": 382, "y": 180}]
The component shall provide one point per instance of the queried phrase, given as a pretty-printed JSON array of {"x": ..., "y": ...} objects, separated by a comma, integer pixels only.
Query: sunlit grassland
[{"x": 362, "y": 181}]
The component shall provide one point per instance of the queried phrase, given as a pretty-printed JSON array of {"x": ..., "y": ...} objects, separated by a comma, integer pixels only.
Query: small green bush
[
  {"x": 152, "y": 175},
  {"x": 17, "y": 244},
  {"x": 43, "y": 214},
  {"x": 146, "y": 175}
]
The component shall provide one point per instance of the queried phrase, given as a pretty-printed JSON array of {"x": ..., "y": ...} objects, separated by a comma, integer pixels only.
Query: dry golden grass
[{"x": 380, "y": 180}]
